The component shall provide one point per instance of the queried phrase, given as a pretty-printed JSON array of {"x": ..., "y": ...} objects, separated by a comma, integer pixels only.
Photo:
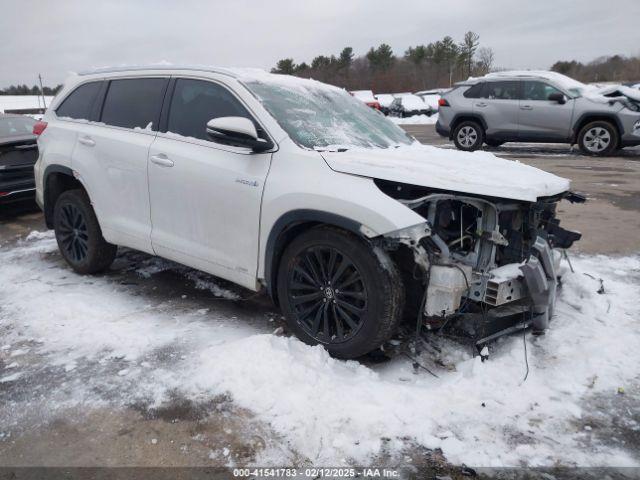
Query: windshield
[
  {"x": 14, "y": 126},
  {"x": 319, "y": 116}
]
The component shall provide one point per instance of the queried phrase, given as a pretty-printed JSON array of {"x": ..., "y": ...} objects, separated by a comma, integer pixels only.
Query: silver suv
[{"x": 539, "y": 107}]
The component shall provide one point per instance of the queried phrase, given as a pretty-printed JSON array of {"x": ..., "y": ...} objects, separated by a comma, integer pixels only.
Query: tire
[
  {"x": 468, "y": 136},
  {"x": 598, "y": 138},
  {"x": 78, "y": 234},
  {"x": 348, "y": 323},
  {"x": 494, "y": 143}
]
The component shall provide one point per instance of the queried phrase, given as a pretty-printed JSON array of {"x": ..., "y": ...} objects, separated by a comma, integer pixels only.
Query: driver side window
[
  {"x": 533, "y": 90},
  {"x": 195, "y": 102}
]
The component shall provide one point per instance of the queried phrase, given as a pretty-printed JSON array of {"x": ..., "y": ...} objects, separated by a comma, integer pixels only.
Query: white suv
[{"x": 294, "y": 186}]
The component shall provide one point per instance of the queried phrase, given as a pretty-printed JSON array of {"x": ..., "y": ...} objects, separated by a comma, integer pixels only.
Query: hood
[{"x": 478, "y": 173}]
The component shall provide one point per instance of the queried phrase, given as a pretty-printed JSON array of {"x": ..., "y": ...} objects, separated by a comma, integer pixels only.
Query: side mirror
[
  {"x": 557, "y": 97},
  {"x": 237, "y": 131}
]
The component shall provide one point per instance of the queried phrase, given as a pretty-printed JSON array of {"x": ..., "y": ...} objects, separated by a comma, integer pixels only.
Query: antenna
[{"x": 42, "y": 92}]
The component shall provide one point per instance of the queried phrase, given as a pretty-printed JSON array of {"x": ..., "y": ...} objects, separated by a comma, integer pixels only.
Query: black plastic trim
[
  {"x": 98, "y": 102},
  {"x": 48, "y": 209},
  {"x": 464, "y": 116}
]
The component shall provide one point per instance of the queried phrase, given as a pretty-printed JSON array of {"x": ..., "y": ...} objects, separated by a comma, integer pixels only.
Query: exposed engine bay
[{"x": 492, "y": 257}]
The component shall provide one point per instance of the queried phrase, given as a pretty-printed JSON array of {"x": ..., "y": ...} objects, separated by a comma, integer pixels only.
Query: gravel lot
[{"x": 99, "y": 410}]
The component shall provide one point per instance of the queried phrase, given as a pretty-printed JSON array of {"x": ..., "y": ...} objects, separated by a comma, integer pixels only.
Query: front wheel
[
  {"x": 598, "y": 138},
  {"x": 335, "y": 290},
  {"x": 78, "y": 234},
  {"x": 468, "y": 136}
]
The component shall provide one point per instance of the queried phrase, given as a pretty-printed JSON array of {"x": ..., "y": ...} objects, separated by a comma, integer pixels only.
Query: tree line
[
  {"x": 25, "y": 90},
  {"x": 437, "y": 64},
  {"x": 615, "y": 68}
]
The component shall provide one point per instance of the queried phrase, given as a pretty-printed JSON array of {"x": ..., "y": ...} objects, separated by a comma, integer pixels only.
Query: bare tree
[{"x": 485, "y": 61}]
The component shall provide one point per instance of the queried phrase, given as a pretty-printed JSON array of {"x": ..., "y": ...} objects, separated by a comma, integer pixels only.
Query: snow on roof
[{"x": 558, "y": 78}]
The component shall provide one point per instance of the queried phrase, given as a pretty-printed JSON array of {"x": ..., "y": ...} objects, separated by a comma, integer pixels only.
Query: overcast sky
[{"x": 59, "y": 37}]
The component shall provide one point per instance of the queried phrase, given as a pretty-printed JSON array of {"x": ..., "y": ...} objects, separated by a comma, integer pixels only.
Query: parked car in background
[
  {"x": 539, "y": 107},
  {"x": 18, "y": 154},
  {"x": 385, "y": 100},
  {"x": 293, "y": 186},
  {"x": 408, "y": 105},
  {"x": 432, "y": 97},
  {"x": 367, "y": 97}
]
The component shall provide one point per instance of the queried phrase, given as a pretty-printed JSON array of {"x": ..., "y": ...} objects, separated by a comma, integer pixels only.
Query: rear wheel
[
  {"x": 598, "y": 138},
  {"x": 78, "y": 234},
  {"x": 336, "y": 291},
  {"x": 468, "y": 136}
]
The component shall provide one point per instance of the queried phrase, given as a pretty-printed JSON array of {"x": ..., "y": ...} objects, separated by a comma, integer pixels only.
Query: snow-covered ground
[
  {"x": 94, "y": 341},
  {"x": 9, "y": 102},
  {"x": 415, "y": 120}
]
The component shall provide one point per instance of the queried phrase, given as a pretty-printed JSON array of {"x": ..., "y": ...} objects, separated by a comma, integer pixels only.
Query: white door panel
[
  {"x": 113, "y": 166},
  {"x": 205, "y": 205}
]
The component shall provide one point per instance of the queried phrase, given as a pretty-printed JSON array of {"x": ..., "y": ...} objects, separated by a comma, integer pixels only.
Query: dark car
[
  {"x": 408, "y": 105},
  {"x": 18, "y": 153}
]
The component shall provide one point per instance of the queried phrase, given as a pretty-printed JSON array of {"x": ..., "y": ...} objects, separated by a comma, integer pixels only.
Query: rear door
[
  {"x": 540, "y": 118},
  {"x": 111, "y": 157},
  {"x": 206, "y": 196},
  {"x": 499, "y": 106}
]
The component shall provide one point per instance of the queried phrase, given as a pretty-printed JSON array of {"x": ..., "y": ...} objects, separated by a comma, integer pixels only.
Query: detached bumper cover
[{"x": 541, "y": 280}]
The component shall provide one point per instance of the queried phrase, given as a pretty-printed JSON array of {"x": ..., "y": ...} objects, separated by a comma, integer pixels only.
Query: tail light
[
  {"x": 375, "y": 105},
  {"x": 442, "y": 102},
  {"x": 39, "y": 127}
]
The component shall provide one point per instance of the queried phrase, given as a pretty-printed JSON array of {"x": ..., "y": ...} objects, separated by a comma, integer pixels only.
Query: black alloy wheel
[{"x": 327, "y": 294}]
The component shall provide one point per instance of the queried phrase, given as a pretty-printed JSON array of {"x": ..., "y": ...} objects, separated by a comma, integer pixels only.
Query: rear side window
[
  {"x": 501, "y": 90},
  {"x": 78, "y": 104},
  {"x": 195, "y": 102},
  {"x": 475, "y": 91},
  {"x": 134, "y": 103}
]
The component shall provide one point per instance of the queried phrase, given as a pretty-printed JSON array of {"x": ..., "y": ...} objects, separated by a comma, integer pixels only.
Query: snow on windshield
[{"x": 317, "y": 115}]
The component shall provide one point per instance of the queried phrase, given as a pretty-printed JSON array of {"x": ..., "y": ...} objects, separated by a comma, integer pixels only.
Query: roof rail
[{"x": 141, "y": 68}]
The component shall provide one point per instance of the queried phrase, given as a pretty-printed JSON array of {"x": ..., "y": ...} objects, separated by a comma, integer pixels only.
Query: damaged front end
[{"x": 490, "y": 263}]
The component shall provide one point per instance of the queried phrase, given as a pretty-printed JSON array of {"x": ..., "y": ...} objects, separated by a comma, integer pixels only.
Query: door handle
[
  {"x": 526, "y": 107},
  {"x": 88, "y": 141},
  {"x": 162, "y": 160},
  {"x": 481, "y": 104}
]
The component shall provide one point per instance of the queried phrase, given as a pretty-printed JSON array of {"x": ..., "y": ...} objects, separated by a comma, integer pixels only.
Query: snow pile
[
  {"x": 13, "y": 102},
  {"x": 364, "y": 95},
  {"x": 415, "y": 120},
  {"x": 431, "y": 100},
  {"x": 329, "y": 411}
]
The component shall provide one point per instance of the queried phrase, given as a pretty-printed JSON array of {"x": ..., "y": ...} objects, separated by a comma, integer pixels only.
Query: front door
[
  {"x": 542, "y": 119},
  {"x": 205, "y": 196}
]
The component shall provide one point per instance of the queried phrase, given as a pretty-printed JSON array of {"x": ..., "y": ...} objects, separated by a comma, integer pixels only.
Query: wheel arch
[
  {"x": 287, "y": 227},
  {"x": 464, "y": 117},
  {"x": 56, "y": 180},
  {"x": 594, "y": 117}
]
